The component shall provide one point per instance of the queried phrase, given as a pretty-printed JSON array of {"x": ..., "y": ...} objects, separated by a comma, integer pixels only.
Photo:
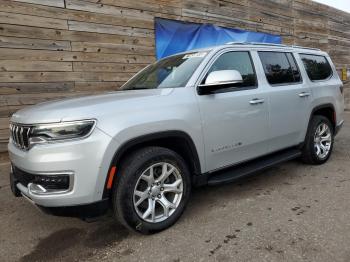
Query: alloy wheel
[
  {"x": 322, "y": 140},
  {"x": 158, "y": 192}
]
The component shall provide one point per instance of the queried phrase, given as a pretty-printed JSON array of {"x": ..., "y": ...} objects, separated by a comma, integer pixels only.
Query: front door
[{"x": 234, "y": 119}]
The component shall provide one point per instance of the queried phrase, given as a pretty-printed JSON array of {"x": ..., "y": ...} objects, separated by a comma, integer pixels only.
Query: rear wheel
[
  {"x": 319, "y": 141},
  {"x": 152, "y": 190}
]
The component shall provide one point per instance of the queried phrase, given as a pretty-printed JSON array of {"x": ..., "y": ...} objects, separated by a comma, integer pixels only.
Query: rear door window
[
  {"x": 316, "y": 66},
  {"x": 279, "y": 67}
]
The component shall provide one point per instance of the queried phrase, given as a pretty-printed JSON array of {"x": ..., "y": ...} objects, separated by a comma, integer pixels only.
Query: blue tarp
[{"x": 175, "y": 36}]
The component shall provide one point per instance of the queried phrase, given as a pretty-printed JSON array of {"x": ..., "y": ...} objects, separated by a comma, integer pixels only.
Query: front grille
[{"x": 20, "y": 135}]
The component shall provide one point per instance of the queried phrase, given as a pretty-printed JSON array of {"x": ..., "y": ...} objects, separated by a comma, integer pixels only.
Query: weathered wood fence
[{"x": 57, "y": 48}]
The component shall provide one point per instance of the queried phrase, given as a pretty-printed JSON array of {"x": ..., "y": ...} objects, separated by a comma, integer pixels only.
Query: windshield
[{"x": 174, "y": 71}]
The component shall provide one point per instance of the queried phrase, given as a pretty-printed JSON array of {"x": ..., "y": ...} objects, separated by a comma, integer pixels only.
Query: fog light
[{"x": 52, "y": 182}]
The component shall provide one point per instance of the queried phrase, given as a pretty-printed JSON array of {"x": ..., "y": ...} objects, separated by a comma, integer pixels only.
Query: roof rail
[
  {"x": 271, "y": 44},
  {"x": 236, "y": 43},
  {"x": 302, "y": 47},
  {"x": 255, "y": 43}
]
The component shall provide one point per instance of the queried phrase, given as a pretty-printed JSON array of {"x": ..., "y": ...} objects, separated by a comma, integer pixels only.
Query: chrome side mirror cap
[{"x": 223, "y": 77}]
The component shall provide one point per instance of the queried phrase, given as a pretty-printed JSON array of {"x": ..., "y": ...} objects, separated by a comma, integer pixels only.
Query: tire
[
  {"x": 135, "y": 173},
  {"x": 312, "y": 151}
]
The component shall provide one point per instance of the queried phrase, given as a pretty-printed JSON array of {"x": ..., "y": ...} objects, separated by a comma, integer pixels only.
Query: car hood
[{"x": 85, "y": 107}]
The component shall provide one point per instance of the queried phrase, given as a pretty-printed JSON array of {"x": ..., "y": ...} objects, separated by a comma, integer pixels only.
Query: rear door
[
  {"x": 235, "y": 119},
  {"x": 289, "y": 99}
]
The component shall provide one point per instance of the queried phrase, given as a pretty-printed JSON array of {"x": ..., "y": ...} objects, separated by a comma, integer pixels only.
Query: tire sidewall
[{"x": 123, "y": 197}]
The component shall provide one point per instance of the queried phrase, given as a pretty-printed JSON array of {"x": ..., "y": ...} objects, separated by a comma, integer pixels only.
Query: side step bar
[{"x": 230, "y": 174}]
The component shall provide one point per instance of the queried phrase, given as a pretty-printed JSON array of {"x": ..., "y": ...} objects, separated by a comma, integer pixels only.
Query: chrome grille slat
[
  {"x": 17, "y": 135},
  {"x": 20, "y": 135},
  {"x": 14, "y": 134},
  {"x": 12, "y": 128},
  {"x": 28, "y": 132},
  {"x": 11, "y": 131},
  {"x": 21, "y": 140}
]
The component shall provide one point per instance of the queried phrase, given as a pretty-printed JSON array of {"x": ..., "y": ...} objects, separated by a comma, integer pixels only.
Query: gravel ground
[{"x": 292, "y": 212}]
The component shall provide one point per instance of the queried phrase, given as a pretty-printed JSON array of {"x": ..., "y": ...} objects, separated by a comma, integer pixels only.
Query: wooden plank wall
[{"x": 51, "y": 49}]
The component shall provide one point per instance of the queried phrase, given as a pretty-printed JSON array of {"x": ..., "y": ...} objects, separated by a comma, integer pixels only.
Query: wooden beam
[
  {"x": 29, "y": 20},
  {"x": 32, "y": 43},
  {"x": 58, "y": 34},
  {"x": 107, "y": 9},
  {"x": 36, "y": 87},
  {"x": 109, "y": 29},
  {"x": 106, "y": 67},
  {"x": 46, "y": 55},
  {"x": 62, "y": 76},
  {"x": 98, "y": 86},
  {"x": 32, "y": 66},
  {"x": 111, "y": 48},
  {"x": 57, "y": 3}
]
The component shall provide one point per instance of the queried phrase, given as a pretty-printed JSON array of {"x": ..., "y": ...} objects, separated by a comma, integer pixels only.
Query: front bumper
[{"x": 83, "y": 160}]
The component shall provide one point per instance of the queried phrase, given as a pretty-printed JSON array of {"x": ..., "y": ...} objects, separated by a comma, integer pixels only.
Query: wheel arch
[
  {"x": 178, "y": 141},
  {"x": 326, "y": 110}
]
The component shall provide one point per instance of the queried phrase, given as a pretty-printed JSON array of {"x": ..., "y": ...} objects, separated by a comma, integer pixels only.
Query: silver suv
[{"x": 203, "y": 117}]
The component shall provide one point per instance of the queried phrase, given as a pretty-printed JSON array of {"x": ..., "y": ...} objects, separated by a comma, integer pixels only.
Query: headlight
[{"x": 61, "y": 131}]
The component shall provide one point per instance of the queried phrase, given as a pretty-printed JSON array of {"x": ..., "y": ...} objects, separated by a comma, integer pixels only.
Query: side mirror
[{"x": 220, "y": 79}]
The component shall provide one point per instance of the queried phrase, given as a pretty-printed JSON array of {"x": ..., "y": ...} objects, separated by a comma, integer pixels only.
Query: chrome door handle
[
  {"x": 304, "y": 94},
  {"x": 256, "y": 101}
]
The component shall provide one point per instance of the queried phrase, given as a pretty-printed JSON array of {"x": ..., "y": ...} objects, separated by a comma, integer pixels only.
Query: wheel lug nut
[
  {"x": 159, "y": 196},
  {"x": 162, "y": 188}
]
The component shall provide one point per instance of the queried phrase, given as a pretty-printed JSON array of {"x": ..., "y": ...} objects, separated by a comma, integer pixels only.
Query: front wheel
[
  {"x": 152, "y": 189},
  {"x": 319, "y": 140}
]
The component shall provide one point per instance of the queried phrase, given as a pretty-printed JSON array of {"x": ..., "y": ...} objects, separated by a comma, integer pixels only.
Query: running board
[{"x": 253, "y": 166}]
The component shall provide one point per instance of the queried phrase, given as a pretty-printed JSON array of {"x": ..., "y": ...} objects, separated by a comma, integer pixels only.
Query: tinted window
[
  {"x": 280, "y": 68},
  {"x": 239, "y": 61},
  {"x": 317, "y": 67},
  {"x": 296, "y": 72}
]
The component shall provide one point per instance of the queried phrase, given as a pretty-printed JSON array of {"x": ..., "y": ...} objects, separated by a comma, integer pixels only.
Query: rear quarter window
[{"x": 317, "y": 67}]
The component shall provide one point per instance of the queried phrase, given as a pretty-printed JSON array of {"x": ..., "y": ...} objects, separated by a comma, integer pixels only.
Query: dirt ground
[{"x": 292, "y": 212}]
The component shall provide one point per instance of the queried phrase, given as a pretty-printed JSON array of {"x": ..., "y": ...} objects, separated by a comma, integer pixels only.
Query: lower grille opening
[
  {"x": 60, "y": 182},
  {"x": 49, "y": 182}
]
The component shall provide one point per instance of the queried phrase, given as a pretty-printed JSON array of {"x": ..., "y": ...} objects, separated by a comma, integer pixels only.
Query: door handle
[
  {"x": 256, "y": 101},
  {"x": 304, "y": 94}
]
